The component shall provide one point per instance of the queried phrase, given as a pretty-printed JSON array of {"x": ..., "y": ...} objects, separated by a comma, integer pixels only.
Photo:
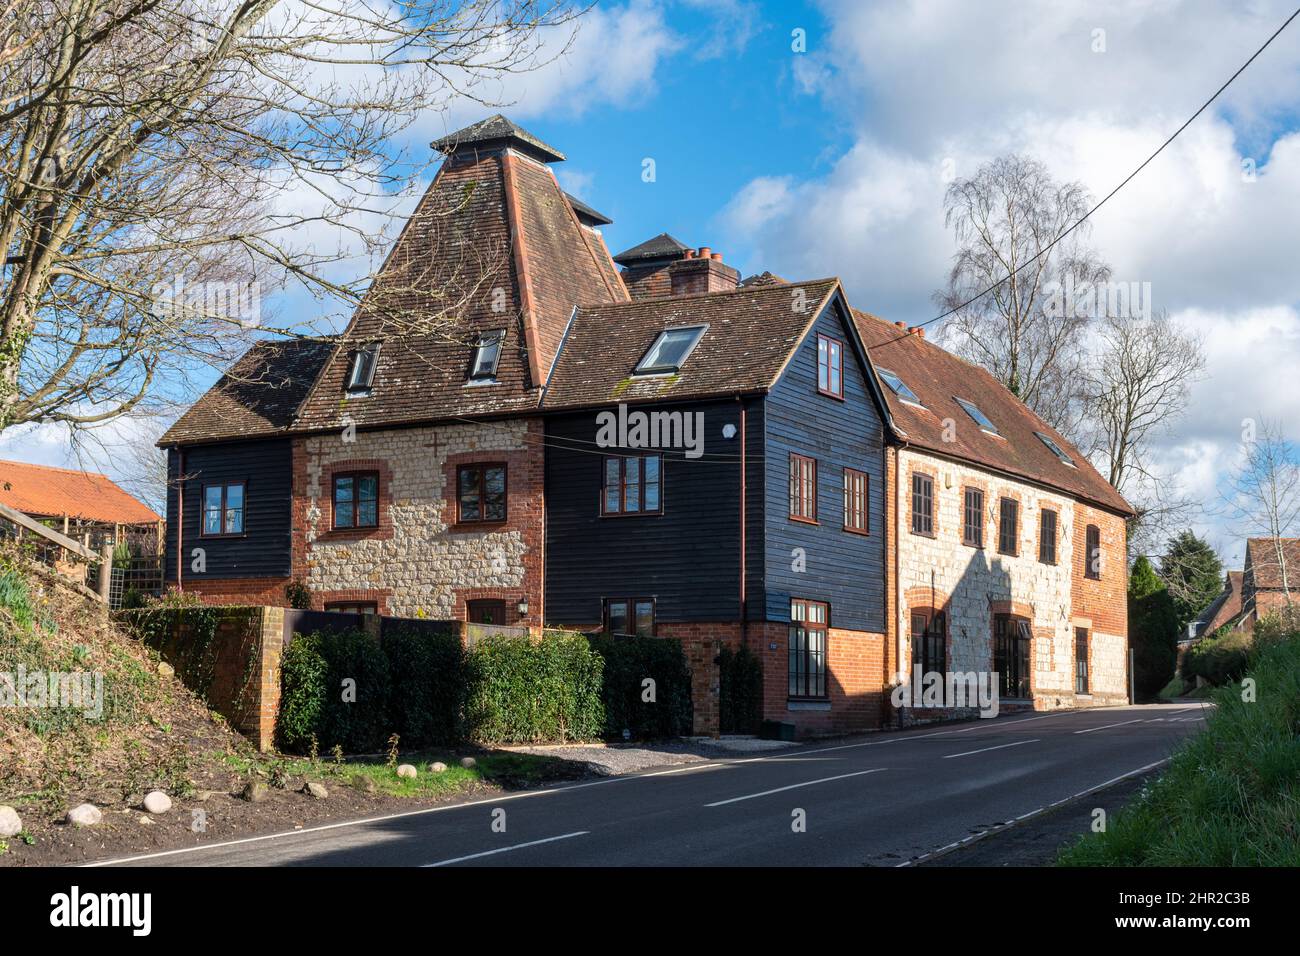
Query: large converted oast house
[{"x": 517, "y": 428}]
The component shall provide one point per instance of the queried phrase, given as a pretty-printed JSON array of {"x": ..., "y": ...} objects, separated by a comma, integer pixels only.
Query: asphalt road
[{"x": 880, "y": 800}]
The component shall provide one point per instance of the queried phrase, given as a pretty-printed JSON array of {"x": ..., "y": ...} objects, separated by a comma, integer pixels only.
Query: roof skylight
[
  {"x": 898, "y": 385},
  {"x": 1055, "y": 449},
  {"x": 361, "y": 375},
  {"x": 669, "y": 350},
  {"x": 486, "y": 355},
  {"x": 980, "y": 418}
]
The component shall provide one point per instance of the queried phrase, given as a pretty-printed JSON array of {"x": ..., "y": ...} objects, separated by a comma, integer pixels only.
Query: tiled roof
[
  {"x": 497, "y": 130},
  {"x": 494, "y": 244},
  {"x": 750, "y": 335},
  {"x": 939, "y": 378},
  {"x": 259, "y": 395},
  {"x": 586, "y": 215},
  {"x": 1266, "y": 569},
  {"x": 662, "y": 246},
  {"x": 52, "y": 492},
  {"x": 1223, "y": 609}
]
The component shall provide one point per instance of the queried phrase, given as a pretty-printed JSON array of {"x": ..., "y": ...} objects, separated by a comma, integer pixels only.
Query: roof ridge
[
  {"x": 752, "y": 290},
  {"x": 70, "y": 471}
]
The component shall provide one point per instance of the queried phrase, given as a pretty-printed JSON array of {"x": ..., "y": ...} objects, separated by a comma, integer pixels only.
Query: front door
[
  {"x": 1011, "y": 655},
  {"x": 486, "y": 612}
]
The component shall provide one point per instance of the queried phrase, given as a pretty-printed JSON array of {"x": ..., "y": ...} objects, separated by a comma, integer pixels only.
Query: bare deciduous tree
[
  {"x": 1136, "y": 382},
  {"x": 1263, "y": 498},
  {"x": 148, "y": 147},
  {"x": 1003, "y": 217}
]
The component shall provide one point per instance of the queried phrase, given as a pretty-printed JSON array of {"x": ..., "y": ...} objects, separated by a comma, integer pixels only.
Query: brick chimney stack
[
  {"x": 662, "y": 266},
  {"x": 702, "y": 272}
]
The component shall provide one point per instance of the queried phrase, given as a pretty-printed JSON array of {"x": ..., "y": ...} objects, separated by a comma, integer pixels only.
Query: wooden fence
[{"x": 62, "y": 553}]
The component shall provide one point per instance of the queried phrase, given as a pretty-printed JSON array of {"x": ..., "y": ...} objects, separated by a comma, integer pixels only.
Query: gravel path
[{"x": 612, "y": 759}]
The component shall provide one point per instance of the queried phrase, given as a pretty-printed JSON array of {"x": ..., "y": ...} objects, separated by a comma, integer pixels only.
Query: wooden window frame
[
  {"x": 1083, "y": 674},
  {"x": 334, "y": 500},
  {"x": 864, "y": 527},
  {"x": 928, "y": 494},
  {"x": 929, "y": 615},
  {"x": 966, "y": 539},
  {"x": 834, "y": 348},
  {"x": 1044, "y": 540},
  {"x": 623, "y": 511},
  {"x": 225, "y": 487},
  {"x": 631, "y": 604},
  {"x": 820, "y": 627},
  {"x": 340, "y": 606},
  {"x": 482, "y": 467},
  {"x": 1018, "y": 631},
  {"x": 1091, "y": 543},
  {"x": 799, "y": 488},
  {"x": 1015, "y": 530}
]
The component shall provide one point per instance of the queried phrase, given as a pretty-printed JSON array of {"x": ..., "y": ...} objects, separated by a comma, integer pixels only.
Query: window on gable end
[{"x": 830, "y": 366}]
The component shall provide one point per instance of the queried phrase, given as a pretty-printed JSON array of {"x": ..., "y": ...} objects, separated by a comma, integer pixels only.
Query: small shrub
[
  {"x": 1221, "y": 659},
  {"x": 428, "y": 685},
  {"x": 523, "y": 691},
  {"x": 628, "y": 663},
  {"x": 297, "y": 595},
  {"x": 740, "y": 692}
]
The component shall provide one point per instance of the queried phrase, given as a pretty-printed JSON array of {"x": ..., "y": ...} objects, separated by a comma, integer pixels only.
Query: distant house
[
  {"x": 1271, "y": 577},
  {"x": 1224, "y": 609},
  {"x": 86, "y": 506}
]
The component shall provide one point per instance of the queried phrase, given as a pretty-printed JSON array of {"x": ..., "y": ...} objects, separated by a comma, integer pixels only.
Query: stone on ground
[
  {"x": 157, "y": 802},
  {"x": 86, "y": 815},
  {"x": 406, "y": 770},
  {"x": 10, "y": 823}
]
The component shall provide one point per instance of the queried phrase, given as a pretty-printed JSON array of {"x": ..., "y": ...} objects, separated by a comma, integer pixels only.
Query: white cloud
[{"x": 922, "y": 84}]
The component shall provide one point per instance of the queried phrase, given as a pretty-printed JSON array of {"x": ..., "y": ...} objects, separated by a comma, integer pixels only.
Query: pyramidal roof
[
  {"x": 662, "y": 246},
  {"x": 498, "y": 131},
  {"x": 494, "y": 246}
]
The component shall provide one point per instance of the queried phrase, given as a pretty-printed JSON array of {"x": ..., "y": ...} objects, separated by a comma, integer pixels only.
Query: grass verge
[{"x": 1231, "y": 795}]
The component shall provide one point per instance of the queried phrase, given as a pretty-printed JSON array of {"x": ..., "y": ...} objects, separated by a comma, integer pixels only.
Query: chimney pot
[
  {"x": 716, "y": 257},
  {"x": 705, "y": 251}
]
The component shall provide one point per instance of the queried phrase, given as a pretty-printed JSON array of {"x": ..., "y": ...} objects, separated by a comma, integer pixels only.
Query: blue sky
[{"x": 831, "y": 162}]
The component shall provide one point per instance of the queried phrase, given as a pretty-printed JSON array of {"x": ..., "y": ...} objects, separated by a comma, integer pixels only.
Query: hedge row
[
  {"x": 1220, "y": 659},
  {"x": 346, "y": 690}
]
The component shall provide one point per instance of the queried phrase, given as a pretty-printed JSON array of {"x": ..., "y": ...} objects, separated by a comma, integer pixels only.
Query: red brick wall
[
  {"x": 856, "y": 680},
  {"x": 1104, "y": 602},
  {"x": 239, "y": 590}
]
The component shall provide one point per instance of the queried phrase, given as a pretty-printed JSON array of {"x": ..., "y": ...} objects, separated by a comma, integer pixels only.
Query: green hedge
[
  {"x": 336, "y": 687},
  {"x": 426, "y": 689},
  {"x": 428, "y": 686},
  {"x": 1220, "y": 659},
  {"x": 741, "y": 691},
  {"x": 521, "y": 691},
  {"x": 629, "y": 662}
]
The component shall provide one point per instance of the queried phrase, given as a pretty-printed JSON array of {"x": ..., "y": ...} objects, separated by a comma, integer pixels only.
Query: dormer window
[
  {"x": 980, "y": 418},
  {"x": 670, "y": 350},
  {"x": 1055, "y": 449},
  {"x": 484, "y": 366},
  {"x": 361, "y": 374},
  {"x": 898, "y": 386}
]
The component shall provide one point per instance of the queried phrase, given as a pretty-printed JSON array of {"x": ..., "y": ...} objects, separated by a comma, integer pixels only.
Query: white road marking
[
  {"x": 987, "y": 749},
  {"x": 712, "y": 764},
  {"x": 1032, "y": 813},
  {"x": 794, "y": 786},
  {"x": 1124, "y": 723},
  {"x": 507, "y": 849}
]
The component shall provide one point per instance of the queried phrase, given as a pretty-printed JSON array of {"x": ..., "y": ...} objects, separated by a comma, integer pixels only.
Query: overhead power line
[{"x": 1106, "y": 198}]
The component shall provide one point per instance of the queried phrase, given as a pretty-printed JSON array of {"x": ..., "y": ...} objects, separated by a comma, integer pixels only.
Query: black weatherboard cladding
[{"x": 264, "y": 549}]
